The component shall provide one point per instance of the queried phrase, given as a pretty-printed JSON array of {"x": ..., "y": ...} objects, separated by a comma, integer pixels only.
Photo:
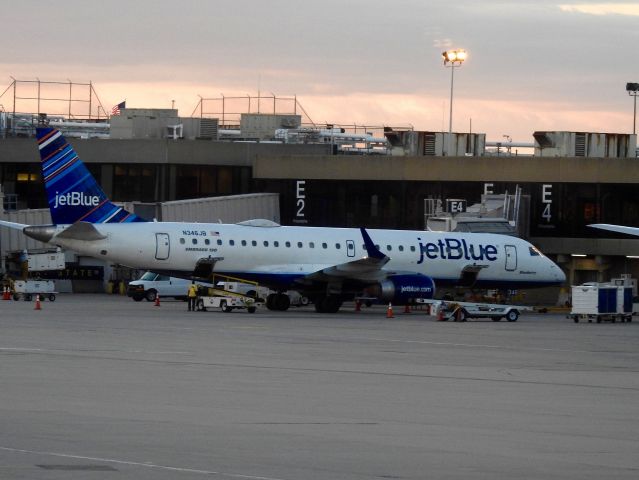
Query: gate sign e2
[{"x": 300, "y": 202}]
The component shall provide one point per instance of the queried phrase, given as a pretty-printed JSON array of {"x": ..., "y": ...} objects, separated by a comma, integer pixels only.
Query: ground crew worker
[{"x": 192, "y": 295}]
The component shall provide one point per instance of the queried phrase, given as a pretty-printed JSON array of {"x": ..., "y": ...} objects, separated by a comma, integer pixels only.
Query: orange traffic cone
[
  {"x": 407, "y": 308},
  {"x": 37, "y": 304},
  {"x": 6, "y": 294},
  {"x": 389, "y": 312},
  {"x": 157, "y": 300}
]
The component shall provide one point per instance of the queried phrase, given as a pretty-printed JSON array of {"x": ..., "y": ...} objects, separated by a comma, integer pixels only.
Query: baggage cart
[
  {"x": 28, "y": 289},
  {"x": 601, "y": 302}
]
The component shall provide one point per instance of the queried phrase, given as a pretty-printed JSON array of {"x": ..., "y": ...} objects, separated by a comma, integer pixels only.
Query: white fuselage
[{"x": 290, "y": 252}]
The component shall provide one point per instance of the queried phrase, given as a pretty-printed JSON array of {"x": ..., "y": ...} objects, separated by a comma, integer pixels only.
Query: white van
[{"x": 150, "y": 285}]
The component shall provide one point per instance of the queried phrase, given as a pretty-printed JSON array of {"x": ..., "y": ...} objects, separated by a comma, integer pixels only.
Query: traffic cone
[
  {"x": 157, "y": 300},
  {"x": 37, "y": 304},
  {"x": 6, "y": 294},
  {"x": 358, "y": 306},
  {"x": 407, "y": 308},
  {"x": 389, "y": 312}
]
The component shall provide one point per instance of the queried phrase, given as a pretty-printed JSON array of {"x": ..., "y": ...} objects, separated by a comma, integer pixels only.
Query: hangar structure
[{"x": 331, "y": 176}]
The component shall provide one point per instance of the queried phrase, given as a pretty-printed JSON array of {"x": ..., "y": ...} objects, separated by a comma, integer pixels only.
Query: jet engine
[{"x": 401, "y": 289}]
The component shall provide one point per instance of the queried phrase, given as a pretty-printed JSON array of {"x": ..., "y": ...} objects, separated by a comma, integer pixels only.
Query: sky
[{"x": 532, "y": 65}]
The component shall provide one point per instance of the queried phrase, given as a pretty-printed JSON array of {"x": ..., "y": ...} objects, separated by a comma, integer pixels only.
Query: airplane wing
[
  {"x": 367, "y": 269},
  {"x": 616, "y": 228},
  {"x": 17, "y": 226}
]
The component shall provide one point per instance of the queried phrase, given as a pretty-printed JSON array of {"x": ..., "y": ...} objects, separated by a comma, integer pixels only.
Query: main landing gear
[
  {"x": 278, "y": 301},
  {"x": 329, "y": 304}
]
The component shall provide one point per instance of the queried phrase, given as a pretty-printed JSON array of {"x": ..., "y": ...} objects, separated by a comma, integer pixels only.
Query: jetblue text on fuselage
[
  {"x": 456, "y": 249},
  {"x": 75, "y": 199}
]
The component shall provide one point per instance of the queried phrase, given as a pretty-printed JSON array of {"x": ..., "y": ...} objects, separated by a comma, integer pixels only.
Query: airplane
[{"x": 328, "y": 265}]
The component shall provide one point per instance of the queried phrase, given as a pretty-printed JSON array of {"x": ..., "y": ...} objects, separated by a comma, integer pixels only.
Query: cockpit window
[{"x": 534, "y": 252}]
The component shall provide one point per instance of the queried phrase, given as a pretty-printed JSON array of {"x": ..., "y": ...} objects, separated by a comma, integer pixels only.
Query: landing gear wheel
[
  {"x": 278, "y": 301},
  {"x": 270, "y": 301},
  {"x": 330, "y": 304},
  {"x": 282, "y": 302}
]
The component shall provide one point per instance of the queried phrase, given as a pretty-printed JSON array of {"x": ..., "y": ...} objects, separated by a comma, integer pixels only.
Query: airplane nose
[{"x": 558, "y": 273}]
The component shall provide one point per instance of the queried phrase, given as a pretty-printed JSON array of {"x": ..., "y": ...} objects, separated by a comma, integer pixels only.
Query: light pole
[
  {"x": 633, "y": 91},
  {"x": 455, "y": 58}
]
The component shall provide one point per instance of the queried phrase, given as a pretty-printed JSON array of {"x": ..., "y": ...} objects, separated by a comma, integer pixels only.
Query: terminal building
[{"x": 327, "y": 175}]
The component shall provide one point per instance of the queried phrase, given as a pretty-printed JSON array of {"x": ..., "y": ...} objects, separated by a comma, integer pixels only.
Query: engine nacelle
[{"x": 401, "y": 289}]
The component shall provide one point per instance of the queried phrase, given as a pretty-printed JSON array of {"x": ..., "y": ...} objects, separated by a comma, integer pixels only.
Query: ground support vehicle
[
  {"x": 227, "y": 299},
  {"x": 446, "y": 310},
  {"x": 28, "y": 289},
  {"x": 227, "y": 303},
  {"x": 151, "y": 284},
  {"x": 601, "y": 302}
]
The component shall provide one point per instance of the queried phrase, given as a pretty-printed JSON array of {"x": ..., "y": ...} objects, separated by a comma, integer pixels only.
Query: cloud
[{"x": 630, "y": 9}]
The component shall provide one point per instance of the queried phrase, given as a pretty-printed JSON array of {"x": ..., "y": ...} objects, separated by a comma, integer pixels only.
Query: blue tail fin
[{"x": 72, "y": 192}]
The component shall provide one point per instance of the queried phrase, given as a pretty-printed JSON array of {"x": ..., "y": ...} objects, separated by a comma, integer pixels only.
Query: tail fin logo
[
  {"x": 72, "y": 192},
  {"x": 75, "y": 199}
]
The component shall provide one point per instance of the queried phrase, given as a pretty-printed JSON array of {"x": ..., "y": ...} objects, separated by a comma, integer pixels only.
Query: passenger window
[
  {"x": 324, "y": 245},
  {"x": 244, "y": 243},
  {"x": 401, "y": 248},
  {"x": 231, "y": 242},
  {"x": 254, "y": 243},
  {"x": 276, "y": 243},
  {"x": 288, "y": 244},
  {"x": 311, "y": 244},
  {"x": 194, "y": 241},
  {"x": 412, "y": 248},
  {"x": 389, "y": 248},
  {"x": 219, "y": 242},
  {"x": 266, "y": 243},
  {"x": 338, "y": 246},
  {"x": 299, "y": 245},
  {"x": 207, "y": 241},
  {"x": 182, "y": 241}
]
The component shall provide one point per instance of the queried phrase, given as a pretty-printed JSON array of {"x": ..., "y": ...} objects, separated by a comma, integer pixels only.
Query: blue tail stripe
[
  {"x": 59, "y": 165},
  {"x": 49, "y": 164},
  {"x": 71, "y": 187},
  {"x": 112, "y": 209},
  {"x": 63, "y": 174}
]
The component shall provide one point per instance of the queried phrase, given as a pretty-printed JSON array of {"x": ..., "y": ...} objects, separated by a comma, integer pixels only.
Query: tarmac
[{"x": 101, "y": 387}]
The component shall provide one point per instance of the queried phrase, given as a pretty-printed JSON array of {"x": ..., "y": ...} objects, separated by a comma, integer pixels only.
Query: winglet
[
  {"x": 371, "y": 249},
  {"x": 616, "y": 228}
]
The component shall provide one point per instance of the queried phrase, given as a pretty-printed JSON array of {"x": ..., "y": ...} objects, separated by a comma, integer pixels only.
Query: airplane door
[
  {"x": 162, "y": 246},
  {"x": 350, "y": 248},
  {"x": 511, "y": 257}
]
